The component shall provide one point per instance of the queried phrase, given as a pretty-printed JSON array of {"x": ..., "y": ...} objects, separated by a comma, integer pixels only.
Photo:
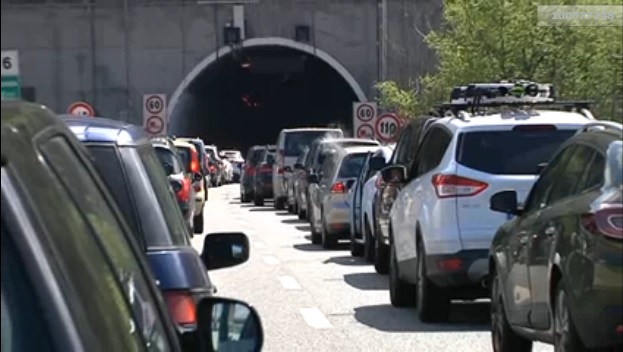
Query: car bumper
[
  {"x": 336, "y": 217},
  {"x": 463, "y": 269}
]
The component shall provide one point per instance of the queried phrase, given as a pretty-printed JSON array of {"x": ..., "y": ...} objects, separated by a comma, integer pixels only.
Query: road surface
[{"x": 316, "y": 300}]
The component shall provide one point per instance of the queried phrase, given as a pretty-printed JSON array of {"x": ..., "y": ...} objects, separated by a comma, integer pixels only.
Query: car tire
[
  {"x": 198, "y": 224},
  {"x": 302, "y": 214},
  {"x": 258, "y": 200},
  {"x": 368, "y": 243},
  {"x": 356, "y": 249},
  {"x": 381, "y": 257},
  {"x": 503, "y": 337},
  {"x": 566, "y": 336},
  {"x": 328, "y": 240},
  {"x": 401, "y": 293},
  {"x": 291, "y": 209},
  {"x": 280, "y": 203},
  {"x": 432, "y": 302}
]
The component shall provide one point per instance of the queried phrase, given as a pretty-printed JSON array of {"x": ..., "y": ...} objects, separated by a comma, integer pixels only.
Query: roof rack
[{"x": 601, "y": 126}]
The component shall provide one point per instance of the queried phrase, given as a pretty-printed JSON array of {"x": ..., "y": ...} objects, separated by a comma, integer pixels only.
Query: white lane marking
[
  {"x": 315, "y": 319},
  {"x": 289, "y": 283},
  {"x": 259, "y": 244},
  {"x": 271, "y": 260}
]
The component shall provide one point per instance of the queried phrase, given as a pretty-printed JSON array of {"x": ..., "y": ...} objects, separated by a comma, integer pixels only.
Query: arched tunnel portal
[{"x": 236, "y": 99}]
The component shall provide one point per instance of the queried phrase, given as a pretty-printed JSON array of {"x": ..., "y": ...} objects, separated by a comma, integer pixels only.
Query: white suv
[{"x": 441, "y": 226}]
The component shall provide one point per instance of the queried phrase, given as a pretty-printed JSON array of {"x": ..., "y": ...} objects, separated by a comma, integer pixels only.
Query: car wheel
[
  {"x": 503, "y": 338},
  {"x": 291, "y": 208},
  {"x": 401, "y": 293},
  {"x": 356, "y": 249},
  {"x": 258, "y": 200},
  {"x": 302, "y": 214},
  {"x": 316, "y": 237},
  {"x": 566, "y": 338},
  {"x": 328, "y": 240},
  {"x": 198, "y": 223},
  {"x": 381, "y": 257},
  {"x": 432, "y": 302},
  {"x": 368, "y": 243}
]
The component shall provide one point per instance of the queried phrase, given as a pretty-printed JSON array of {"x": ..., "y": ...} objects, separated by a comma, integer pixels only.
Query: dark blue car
[{"x": 125, "y": 158}]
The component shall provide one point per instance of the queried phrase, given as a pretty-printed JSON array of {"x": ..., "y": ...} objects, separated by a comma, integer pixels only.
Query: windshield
[
  {"x": 255, "y": 156},
  {"x": 167, "y": 157},
  {"x": 517, "y": 152},
  {"x": 296, "y": 142},
  {"x": 166, "y": 199},
  {"x": 352, "y": 165}
]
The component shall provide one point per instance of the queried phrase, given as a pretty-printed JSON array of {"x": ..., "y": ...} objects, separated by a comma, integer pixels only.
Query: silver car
[{"x": 330, "y": 211}]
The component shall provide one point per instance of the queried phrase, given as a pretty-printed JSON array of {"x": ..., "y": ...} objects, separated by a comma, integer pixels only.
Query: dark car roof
[
  {"x": 98, "y": 129},
  {"x": 26, "y": 119}
]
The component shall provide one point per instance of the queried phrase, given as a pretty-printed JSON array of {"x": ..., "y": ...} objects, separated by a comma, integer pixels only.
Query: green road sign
[{"x": 11, "y": 88}]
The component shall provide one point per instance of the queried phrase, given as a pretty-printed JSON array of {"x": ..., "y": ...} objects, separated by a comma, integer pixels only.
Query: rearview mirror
[
  {"x": 312, "y": 178},
  {"x": 226, "y": 324},
  {"x": 224, "y": 250},
  {"x": 298, "y": 166},
  {"x": 197, "y": 177},
  {"x": 377, "y": 163},
  {"x": 505, "y": 202},
  {"x": 394, "y": 174}
]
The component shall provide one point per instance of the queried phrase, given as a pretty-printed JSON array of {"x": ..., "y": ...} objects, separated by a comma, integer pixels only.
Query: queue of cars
[
  {"x": 505, "y": 193},
  {"x": 95, "y": 249}
]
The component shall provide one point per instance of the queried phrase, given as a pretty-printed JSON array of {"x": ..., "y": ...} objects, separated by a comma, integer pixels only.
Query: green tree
[{"x": 489, "y": 40}]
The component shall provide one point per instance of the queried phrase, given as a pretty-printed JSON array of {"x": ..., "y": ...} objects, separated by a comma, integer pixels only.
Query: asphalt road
[{"x": 315, "y": 300}]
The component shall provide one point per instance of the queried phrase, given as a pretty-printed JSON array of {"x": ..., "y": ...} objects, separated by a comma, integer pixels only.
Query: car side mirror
[
  {"x": 225, "y": 324},
  {"x": 540, "y": 168},
  {"x": 197, "y": 177},
  {"x": 505, "y": 202},
  {"x": 312, "y": 178},
  {"x": 224, "y": 250},
  {"x": 298, "y": 166},
  {"x": 350, "y": 184},
  {"x": 394, "y": 174},
  {"x": 287, "y": 169},
  {"x": 377, "y": 163}
]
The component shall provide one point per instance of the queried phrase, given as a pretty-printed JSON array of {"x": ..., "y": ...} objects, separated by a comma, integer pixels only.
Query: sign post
[
  {"x": 154, "y": 114},
  {"x": 11, "y": 85},
  {"x": 364, "y": 115},
  {"x": 387, "y": 127}
]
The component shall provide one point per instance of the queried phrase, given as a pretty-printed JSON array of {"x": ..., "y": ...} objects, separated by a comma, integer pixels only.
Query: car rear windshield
[
  {"x": 255, "y": 155},
  {"x": 352, "y": 165},
  {"x": 184, "y": 154},
  {"x": 516, "y": 152},
  {"x": 211, "y": 153},
  {"x": 166, "y": 156},
  {"x": 296, "y": 142}
]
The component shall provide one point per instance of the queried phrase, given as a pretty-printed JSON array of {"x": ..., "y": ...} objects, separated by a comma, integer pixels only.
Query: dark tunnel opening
[{"x": 246, "y": 97}]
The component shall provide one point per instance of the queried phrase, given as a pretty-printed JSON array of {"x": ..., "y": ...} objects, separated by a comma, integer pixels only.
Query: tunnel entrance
[{"x": 247, "y": 96}]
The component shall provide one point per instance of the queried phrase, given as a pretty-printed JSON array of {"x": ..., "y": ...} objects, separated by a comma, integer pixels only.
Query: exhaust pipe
[{"x": 485, "y": 282}]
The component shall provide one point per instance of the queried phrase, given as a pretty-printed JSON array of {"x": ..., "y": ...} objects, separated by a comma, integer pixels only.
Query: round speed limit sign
[
  {"x": 365, "y": 112},
  {"x": 387, "y": 127}
]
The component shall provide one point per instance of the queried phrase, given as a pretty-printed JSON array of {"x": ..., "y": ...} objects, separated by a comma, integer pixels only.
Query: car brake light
[
  {"x": 338, "y": 187},
  {"x": 280, "y": 171},
  {"x": 212, "y": 168},
  {"x": 379, "y": 183},
  {"x": 533, "y": 128},
  {"x": 194, "y": 163},
  {"x": 607, "y": 221},
  {"x": 184, "y": 193},
  {"x": 181, "y": 307},
  {"x": 266, "y": 168},
  {"x": 448, "y": 186}
]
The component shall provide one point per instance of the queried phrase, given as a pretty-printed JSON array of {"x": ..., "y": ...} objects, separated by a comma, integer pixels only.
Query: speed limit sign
[{"x": 387, "y": 127}]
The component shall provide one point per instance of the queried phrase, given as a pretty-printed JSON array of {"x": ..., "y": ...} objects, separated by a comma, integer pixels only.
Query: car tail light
[
  {"x": 212, "y": 168},
  {"x": 280, "y": 171},
  {"x": 266, "y": 168},
  {"x": 194, "y": 161},
  {"x": 448, "y": 186},
  {"x": 338, "y": 187},
  {"x": 198, "y": 186},
  {"x": 181, "y": 307},
  {"x": 183, "y": 194},
  {"x": 249, "y": 170},
  {"x": 606, "y": 220},
  {"x": 379, "y": 183}
]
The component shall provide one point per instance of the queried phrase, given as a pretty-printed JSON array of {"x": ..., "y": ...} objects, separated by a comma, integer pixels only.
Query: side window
[
  {"x": 569, "y": 178},
  {"x": 541, "y": 189},
  {"x": 402, "y": 148},
  {"x": 432, "y": 150},
  {"x": 595, "y": 175},
  {"x": 109, "y": 234}
]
